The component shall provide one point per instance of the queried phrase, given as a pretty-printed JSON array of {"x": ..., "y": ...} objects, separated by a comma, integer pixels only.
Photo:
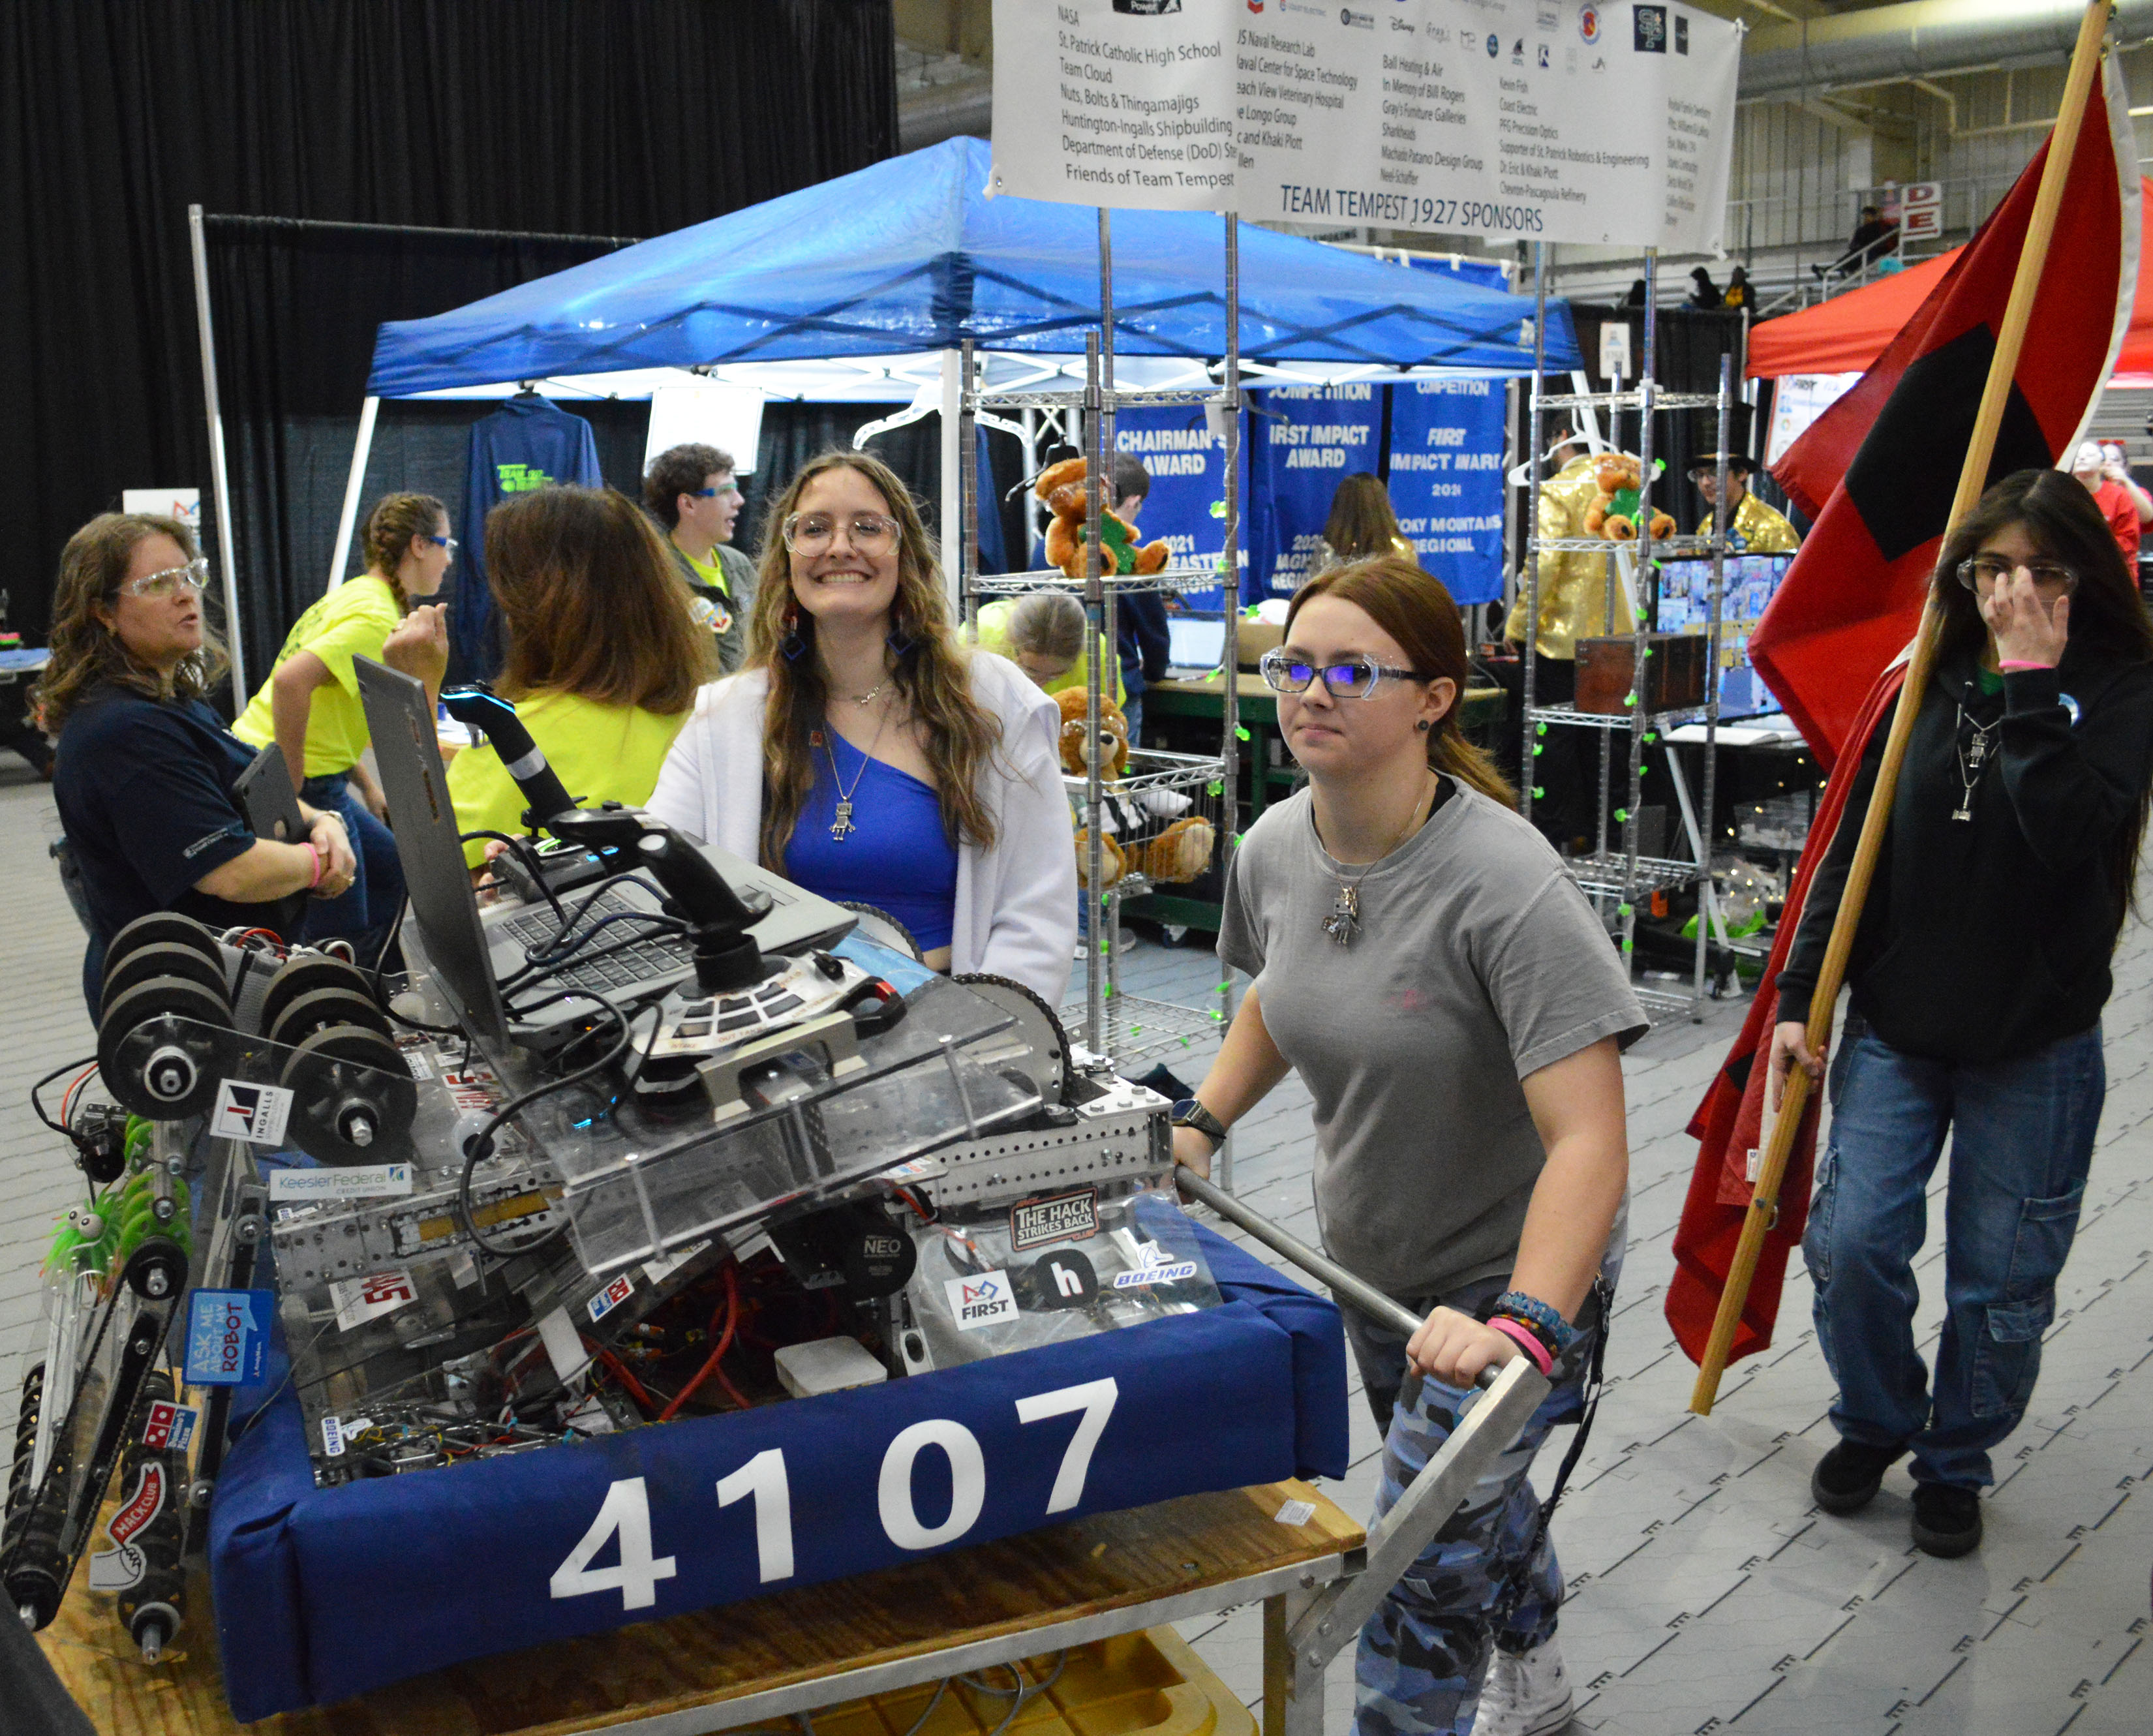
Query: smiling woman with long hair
[
  {"x": 144, "y": 772},
  {"x": 865, "y": 754}
]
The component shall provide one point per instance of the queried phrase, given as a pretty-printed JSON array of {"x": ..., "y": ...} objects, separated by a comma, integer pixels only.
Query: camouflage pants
[{"x": 1485, "y": 1581}]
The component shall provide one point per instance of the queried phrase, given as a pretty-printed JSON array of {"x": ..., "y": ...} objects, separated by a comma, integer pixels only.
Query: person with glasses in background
[
  {"x": 1421, "y": 959},
  {"x": 691, "y": 492},
  {"x": 1978, "y": 973},
  {"x": 309, "y": 706},
  {"x": 865, "y": 754},
  {"x": 145, "y": 771},
  {"x": 2126, "y": 506}
]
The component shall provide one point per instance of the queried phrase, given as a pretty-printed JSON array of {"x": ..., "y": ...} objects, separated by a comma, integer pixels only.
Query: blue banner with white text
[
  {"x": 1187, "y": 505},
  {"x": 1446, "y": 478},
  {"x": 1309, "y": 440}
]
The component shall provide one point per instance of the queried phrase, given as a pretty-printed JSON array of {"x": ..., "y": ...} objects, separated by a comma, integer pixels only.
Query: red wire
[
  {"x": 75, "y": 1084},
  {"x": 710, "y": 1365},
  {"x": 621, "y": 1374}
]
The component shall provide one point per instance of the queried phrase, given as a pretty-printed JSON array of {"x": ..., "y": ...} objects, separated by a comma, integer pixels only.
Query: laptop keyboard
[{"x": 657, "y": 957}]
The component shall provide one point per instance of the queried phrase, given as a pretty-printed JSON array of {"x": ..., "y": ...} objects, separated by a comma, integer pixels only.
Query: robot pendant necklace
[
  {"x": 1344, "y": 921},
  {"x": 841, "y": 825}
]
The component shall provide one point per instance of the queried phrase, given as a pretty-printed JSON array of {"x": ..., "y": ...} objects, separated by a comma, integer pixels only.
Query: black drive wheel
[
  {"x": 1036, "y": 1045},
  {"x": 354, "y": 1098},
  {"x": 162, "y": 1046}
]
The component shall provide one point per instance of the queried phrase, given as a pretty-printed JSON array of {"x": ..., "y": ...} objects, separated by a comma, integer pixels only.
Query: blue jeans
[
  {"x": 1490, "y": 1576},
  {"x": 2022, "y": 1141},
  {"x": 363, "y": 913}
]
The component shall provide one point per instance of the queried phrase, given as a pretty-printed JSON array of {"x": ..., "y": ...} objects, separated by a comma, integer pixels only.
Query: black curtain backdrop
[{"x": 594, "y": 118}]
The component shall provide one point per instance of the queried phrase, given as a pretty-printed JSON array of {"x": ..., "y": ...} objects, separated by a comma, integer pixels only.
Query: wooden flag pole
[{"x": 2003, "y": 370}]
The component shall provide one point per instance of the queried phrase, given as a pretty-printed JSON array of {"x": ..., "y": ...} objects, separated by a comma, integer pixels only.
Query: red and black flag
[
  {"x": 1884, "y": 463},
  {"x": 1877, "y": 469}
]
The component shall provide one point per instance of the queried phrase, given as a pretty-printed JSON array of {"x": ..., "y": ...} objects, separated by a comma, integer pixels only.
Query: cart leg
[{"x": 1293, "y": 1682}]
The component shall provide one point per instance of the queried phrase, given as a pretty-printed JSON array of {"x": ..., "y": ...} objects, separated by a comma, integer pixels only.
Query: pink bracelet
[
  {"x": 1522, "y": 1336},
  {"x": 2011, "y": 665},
  {"x": 321, "y": 864}
]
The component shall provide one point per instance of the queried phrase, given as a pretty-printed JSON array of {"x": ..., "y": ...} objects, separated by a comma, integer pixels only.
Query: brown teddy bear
[
  {"x": 1613, "y": 512},
  {"x": 1143, "y": 831},
  {"x": 1062, "y": 486}
]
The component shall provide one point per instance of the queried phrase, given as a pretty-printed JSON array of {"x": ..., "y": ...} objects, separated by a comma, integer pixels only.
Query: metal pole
[
  {"x": 355, "y": 486},
  {"x": 1640, "y": 675},
  {"x": 220, "y": 484},
  {"x": 953, "y": 395},
  {"x": 1529, "y": 645},
  {"x": 1705, "y": 900},
  {"x": 1347, "y": 1288},
  {"x": 968, "y": 494},
  {"x": 1094, "y": 608},
  {"x": 1230, "y": 740},
  {"x": 1106, "y": 646}
]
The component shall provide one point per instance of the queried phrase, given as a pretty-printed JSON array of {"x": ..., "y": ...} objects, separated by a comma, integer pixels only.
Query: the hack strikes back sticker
[{"x": 1062, "y": 1217}]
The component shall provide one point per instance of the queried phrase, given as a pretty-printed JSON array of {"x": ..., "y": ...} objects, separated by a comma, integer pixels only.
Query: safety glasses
[
  {"x": 1988, "y": 569},
  {"x": 192, "y": 576},
  {"x": 1350, "y": 678},
  {"x": 811, "y": 533}
]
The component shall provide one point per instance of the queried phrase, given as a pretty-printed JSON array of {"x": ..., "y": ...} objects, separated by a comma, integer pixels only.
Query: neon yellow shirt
[
  {"x": 601, "y": 753},
  {"x": 353, "y": 620},
  {"x": 995, "y": 636}
]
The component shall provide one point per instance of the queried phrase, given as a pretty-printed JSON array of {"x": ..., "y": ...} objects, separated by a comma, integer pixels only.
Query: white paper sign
[
  {"x": 1566, "y": 120},
  {"x": 256, "y": 1113},
  {"x": 359, "y": 1300}
]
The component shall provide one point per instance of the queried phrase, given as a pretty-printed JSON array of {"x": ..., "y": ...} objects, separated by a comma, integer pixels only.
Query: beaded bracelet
[
  {"x": 1548, "y": 1323},
  {"x": 1526, "y": 1340}
]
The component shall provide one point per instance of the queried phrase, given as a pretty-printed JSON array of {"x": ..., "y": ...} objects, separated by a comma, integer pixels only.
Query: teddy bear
[
  {"x": 1613, "y": 513},
  {"x": 1149, "y": 833},
  {"x": 1061, "y": 487}
]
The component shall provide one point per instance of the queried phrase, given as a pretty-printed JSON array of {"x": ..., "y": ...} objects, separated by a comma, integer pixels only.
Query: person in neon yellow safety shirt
[
  {"x": 309, "y": 706},
  {"x": 602, "y": 656},
  {"x": 1043, "y": 635}
]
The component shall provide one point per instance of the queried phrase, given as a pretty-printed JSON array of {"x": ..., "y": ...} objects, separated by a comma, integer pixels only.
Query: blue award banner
[
  {"x": 1186, "y": 508},
  {"x": 1311, "y": 438},
  {"x": 1446, "y": 476}
]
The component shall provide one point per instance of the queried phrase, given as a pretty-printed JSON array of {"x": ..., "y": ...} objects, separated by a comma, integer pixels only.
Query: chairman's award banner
[{"x": 1545, "y": 120}]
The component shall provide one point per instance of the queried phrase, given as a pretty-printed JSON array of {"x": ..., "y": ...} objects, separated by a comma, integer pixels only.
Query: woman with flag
[{"x": 1979, "y": 969}]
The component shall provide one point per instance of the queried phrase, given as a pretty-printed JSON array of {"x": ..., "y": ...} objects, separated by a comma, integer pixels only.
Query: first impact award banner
[{"x": 1566, "y": 120}]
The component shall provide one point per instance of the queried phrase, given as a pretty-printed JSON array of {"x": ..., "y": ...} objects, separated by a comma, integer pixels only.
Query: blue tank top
[{"x": 897, "y": 856}]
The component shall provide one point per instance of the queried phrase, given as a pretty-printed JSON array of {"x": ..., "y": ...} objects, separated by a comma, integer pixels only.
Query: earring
[
  {"x": 792, "y": 644},
  {"x": 899, "y": 641},
  {"x": 1423, "y": 726}
]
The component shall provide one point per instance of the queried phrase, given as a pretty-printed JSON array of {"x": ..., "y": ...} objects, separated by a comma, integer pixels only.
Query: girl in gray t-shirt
[{"x": 1423, "y": 960}]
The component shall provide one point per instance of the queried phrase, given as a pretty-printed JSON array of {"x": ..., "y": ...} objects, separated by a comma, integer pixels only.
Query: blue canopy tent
[
  {"x": 895, "y": 265},
  {"x": 912, "y": 254}
]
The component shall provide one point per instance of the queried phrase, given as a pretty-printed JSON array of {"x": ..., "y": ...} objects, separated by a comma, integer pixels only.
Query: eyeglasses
[
  {"x": 1990, "y": 569},
  {"x": 449, "y": 543},
  {"x": 192, "y": 576},
  {"x": 869, "y": 533},
  {"x": 1350, "y": 678},
  {"x": 705, "y": 494}
]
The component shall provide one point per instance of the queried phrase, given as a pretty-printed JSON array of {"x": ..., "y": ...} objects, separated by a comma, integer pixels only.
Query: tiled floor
[{"x": 1707, "y": 1594}]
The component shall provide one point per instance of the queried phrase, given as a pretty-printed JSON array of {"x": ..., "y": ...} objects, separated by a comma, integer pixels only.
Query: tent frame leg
[
  {"x": 354, "y": 485},
  {"x": 220, "y": 481}
]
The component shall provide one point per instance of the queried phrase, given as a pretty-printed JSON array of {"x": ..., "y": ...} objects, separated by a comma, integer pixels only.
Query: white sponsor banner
[{"x": 1546, "y": 120}]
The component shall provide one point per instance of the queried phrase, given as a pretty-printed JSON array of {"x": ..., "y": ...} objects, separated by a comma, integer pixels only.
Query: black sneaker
[
  {"x": 1847, "y": 1478},
  {"x": 1946, "y": 1518}
]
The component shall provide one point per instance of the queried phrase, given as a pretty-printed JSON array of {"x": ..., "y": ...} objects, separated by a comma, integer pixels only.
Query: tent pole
[
  {"x": 968, "y": 475},
  {"x": 1095, "y": 902},
  {"x": 220, "y": 484},
  {"x": 354, "y": 485},
  {"x": 1229, "y": 654},
  {"x": 953, "y": 446}
]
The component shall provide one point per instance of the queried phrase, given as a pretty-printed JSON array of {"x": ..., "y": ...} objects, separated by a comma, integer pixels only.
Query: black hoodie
[{"x": 1987, "y": 940}]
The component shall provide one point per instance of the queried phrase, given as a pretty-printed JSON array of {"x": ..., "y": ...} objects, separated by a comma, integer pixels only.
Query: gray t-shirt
[{"x": 1477, "y": 961}]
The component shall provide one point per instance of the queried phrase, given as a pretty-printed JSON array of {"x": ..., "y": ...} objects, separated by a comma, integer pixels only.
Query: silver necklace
[
  {"x": 1344, "y": 921},
  {"x": 868, "y": 698},
  {"x": 1973, "y": 760},
  {"x": 841, "y": 826}
]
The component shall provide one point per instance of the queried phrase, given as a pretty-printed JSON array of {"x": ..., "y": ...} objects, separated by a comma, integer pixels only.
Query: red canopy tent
[{"x": 1846, "y": 335}]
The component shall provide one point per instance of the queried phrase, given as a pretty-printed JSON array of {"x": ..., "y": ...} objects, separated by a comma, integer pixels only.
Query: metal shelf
[
  {"x": 1052, "y": 579},
  {"x": 1109, "y": 399},
  {"x": 1631, "y": 399},
  {"x": 1610, "y": 875},
  {"x": 1612, "y": 719},
  {"x": 1681, "y": 548},
  {"x": 1139, "y": 1030}
]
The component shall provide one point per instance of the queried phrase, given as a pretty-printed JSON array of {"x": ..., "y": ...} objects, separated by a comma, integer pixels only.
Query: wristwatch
[{"x": 1190, "y": 1113}]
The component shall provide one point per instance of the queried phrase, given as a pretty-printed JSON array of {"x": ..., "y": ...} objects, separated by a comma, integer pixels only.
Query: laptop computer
[
  {"x": 474, "y": 954},
  {"x": 1195, "y": 644}
]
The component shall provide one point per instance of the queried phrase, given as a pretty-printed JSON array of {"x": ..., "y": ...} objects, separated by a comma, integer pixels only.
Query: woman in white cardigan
[{"x": 866, "y": 755}]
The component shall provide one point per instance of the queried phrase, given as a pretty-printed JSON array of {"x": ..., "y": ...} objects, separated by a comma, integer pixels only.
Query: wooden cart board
[{"x": 986, "y": 1599}]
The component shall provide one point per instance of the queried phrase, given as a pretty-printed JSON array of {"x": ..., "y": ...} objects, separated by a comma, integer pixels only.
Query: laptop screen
[
  {"x": 401, "y": 721},
  {"x": 1195, "y": 642}
]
